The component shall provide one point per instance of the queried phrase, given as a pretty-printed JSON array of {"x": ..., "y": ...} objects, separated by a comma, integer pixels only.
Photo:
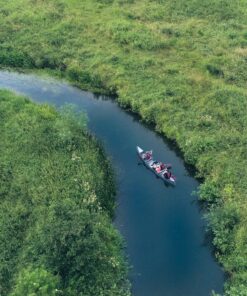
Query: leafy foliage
[
  {"x": 180, "y": 64},
  {"x": 56, "y": 235},
  {"x": 37, "y": 282}
]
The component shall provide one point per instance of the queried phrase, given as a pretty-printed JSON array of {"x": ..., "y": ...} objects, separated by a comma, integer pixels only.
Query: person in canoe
[
  {"x": 155, "y": 164},
  {"x": 147, "y": 155},
  {"x": 167, "y": 174},
  {"x": 158, "y": 168},
  {"x": 162, "y": 166}
]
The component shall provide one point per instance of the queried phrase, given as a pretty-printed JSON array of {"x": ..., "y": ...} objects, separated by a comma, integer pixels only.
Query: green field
[
  {"x": 56, "y": 236},
  {"x": 182, "y": 65}
]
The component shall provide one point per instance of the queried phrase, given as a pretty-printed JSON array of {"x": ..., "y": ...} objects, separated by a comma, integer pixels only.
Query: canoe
[{"x": 149, "y": 164}]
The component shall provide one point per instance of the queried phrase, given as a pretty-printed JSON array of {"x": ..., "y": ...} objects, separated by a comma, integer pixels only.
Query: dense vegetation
[
  {"x": 180, "y": 64},
  {"x": 56, "y": 205}
]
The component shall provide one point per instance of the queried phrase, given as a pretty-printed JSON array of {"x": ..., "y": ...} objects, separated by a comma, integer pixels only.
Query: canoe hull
[{"x": 148, "y": 164}]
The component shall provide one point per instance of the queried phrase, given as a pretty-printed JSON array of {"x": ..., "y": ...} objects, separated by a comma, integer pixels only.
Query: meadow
[
  {"x": 181, "y": 65},
  {"x": 56, "y": 210}
]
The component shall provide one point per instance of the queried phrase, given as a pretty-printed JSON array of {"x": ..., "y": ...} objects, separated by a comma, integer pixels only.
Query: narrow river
[{"x": 162, "y": 225}]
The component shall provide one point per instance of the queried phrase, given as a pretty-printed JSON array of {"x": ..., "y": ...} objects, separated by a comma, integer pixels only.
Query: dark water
[{"x": 162, "y": 226}]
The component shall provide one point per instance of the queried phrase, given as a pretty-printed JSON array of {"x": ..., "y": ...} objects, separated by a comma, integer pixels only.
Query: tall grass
[
  {"x": 56, "y": 236},
  {"x": 180, "y": 64}
]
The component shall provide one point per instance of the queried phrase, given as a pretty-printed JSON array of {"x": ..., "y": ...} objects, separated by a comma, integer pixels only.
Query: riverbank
[
  {"x": 162, "y": 226},
  {"x": 180, "y": 66},
  {"x": 55, "y": 209}
]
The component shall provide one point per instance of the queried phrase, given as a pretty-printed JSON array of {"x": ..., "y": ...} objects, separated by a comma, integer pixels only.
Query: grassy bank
[
  {"x": 56, "y": 236},
  {"x": 180, "y": 64}
]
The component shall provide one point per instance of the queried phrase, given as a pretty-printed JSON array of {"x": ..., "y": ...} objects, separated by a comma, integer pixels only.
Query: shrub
[
  {"x": 15, "y": 58},
  {"x": 55, "y": 210},
  {"x": 216, "y": 71},
  {"x": 35, "y": 281}
]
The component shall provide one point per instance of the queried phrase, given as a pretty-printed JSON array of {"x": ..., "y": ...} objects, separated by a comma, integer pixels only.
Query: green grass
[
  {"x": 55, "y": 210},
  {"x": 180, "y": 64}
]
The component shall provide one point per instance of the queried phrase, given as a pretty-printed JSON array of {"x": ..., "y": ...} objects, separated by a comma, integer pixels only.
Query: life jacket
[{"x": 158, "y": 169}]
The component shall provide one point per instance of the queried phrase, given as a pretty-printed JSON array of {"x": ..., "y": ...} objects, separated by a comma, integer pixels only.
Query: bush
[
  {"x": 14, "y": 58},
  {"x": 36, "y": 281},
  {"x": 80, "y": 247},
  {"x": 215, "y": 70},
  {"x": 55, "y": 228}
]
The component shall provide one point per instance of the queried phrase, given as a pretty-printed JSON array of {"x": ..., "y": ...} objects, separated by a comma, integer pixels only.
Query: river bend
[{"x": 162, "y": 225}]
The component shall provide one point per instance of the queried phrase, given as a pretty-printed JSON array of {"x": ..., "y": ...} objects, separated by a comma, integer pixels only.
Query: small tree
[{"x": 35, "y": 282}]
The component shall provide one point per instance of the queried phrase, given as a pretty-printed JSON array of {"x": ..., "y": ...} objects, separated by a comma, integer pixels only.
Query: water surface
[{"x": 162, "y": 225}]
